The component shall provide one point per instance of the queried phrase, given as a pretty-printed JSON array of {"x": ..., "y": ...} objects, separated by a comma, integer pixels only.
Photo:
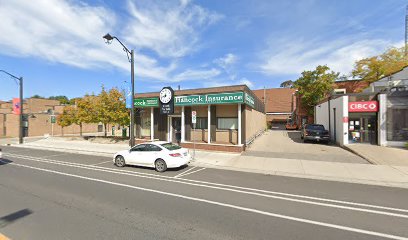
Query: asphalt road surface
[{"x": 55, "y": 195}]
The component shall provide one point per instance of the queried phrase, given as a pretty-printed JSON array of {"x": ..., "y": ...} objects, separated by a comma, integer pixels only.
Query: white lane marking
[
  {"x": 188, "y": 170},
  {"x": 183, "y": 175},
  {"x": 231, "y": 190},
  {"x": 55, "y": 155},
  {"x": 302, "y": 220},
  {"x": 101, "y": 163},
  {"x": 230, "y": 186}
]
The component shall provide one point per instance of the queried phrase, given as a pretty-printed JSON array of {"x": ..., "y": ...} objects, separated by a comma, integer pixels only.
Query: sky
[{"x": 58, "y": 49}]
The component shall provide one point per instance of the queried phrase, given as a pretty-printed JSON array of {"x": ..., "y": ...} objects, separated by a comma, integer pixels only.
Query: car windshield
[
  {"x": 170, "y": 146},
  {"x": 315, "y": 127}
]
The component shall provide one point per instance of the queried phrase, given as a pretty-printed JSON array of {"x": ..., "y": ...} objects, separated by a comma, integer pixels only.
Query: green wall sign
[
  {"x": 147, "y": 102},
  {"x": 250, "y": 100},
  {"x": 204, "y": 99},
  {"x": 219, "y": 98}
]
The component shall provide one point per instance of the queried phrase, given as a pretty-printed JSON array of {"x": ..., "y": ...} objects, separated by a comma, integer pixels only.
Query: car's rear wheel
[
  {"x": 160, "y": 165},
  {"x": 120, "y": 161}
]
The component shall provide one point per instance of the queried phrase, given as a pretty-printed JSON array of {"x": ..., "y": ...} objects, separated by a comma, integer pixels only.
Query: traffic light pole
[{"x": 20, "y": 80}]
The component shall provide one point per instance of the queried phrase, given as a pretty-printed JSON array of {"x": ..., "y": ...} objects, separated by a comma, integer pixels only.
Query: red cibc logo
[{"x": 368, "y": 106}]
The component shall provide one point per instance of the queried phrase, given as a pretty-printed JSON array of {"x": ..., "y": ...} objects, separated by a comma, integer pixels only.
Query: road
[{"x": 55, "y": 195}]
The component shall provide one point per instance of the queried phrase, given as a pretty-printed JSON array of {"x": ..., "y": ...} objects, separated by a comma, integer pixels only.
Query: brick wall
[
  {"x": 2, "y": 122},
  {"x": 12, "y": 125},
  {"x": 37, "y": 105},
  {"x": 214, "y": 147}
]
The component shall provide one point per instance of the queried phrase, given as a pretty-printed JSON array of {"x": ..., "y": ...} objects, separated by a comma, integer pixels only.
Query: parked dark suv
[{"x": 314, "y": 132}]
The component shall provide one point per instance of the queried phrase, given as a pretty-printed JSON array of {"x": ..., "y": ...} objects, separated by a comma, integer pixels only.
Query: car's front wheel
[
  {"x": 160, "y": 165},
  {"x": 120, "y": 161}
]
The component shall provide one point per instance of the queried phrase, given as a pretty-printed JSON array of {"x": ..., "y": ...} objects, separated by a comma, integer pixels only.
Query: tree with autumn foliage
[
  {"x": 66, "y": 118},
  {"x": 110, "y": 108},
  {"x": 85, "y": 111},
  {"x": 374, "y": 68},
  {"x": 314, "y": 85}
]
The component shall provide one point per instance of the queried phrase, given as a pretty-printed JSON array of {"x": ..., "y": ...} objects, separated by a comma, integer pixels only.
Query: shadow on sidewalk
[{"x": 295, "y": 136}]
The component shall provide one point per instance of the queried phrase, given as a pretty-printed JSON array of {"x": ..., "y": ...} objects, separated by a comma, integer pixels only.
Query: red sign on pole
[
  {"x": 367, "y": 106},
  {"x": 16, "y": 106},
  {"x": 345, "y": 119}
]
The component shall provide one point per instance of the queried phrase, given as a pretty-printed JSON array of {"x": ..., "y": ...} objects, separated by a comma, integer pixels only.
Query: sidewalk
[
  {"x": 384, "y": 175},
  {"x": 380, "y": 155}
]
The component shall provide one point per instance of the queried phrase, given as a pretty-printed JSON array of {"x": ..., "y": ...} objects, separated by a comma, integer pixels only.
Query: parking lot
[{"x": 287, "y": 144}]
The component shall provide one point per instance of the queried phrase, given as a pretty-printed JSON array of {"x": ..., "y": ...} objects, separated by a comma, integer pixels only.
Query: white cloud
[
  {"x": 218, "y": 82},
  {"x": 246, "y": 82},
  {"x": 70, "y": 32},
  {"x": 191, "y": 75},
  {"x": 227, "y": 61},
  {"x": 293, "y": 57},
  {"x": 171, "y": 29}
]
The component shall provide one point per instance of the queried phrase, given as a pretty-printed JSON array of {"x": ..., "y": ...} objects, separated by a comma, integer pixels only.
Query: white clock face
[{"x": 165, "y": 95}]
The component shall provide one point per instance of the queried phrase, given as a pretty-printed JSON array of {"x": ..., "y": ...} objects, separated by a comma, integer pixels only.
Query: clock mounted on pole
[{"x": 166, "y": 98}]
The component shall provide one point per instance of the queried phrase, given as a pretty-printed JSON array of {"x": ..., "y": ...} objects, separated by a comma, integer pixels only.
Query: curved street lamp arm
[
  {"x": 128, "y": 52},
  {"x": 124, "y": 47},
  {"x": 11, "y": 75}
]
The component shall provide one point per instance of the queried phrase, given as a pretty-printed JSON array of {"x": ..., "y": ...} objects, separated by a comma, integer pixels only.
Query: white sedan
[{"x": 160, "y": 155}]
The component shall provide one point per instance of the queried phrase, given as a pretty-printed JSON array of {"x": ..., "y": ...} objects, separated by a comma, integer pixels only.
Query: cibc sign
[{"x": 367, "y": 106}]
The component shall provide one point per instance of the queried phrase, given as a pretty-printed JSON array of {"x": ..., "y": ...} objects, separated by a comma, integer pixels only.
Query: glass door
[
  {"x": 363, "y": 129},
  {"x": 354, "y": 130},
  {"x": 176, "y": 129}
]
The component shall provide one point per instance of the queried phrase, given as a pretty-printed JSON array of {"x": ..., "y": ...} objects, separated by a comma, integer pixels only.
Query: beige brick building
[
  {"x": 37, "y": 120},
  {"x": 227, "y": 118}
]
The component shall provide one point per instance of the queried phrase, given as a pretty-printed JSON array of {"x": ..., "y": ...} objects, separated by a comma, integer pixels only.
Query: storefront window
[
  {"x": 145, "y": 126},
  {"x": 397, "y": 116},
  {"x": 397, "y": 124},
  {"x": 227, "y": 123},
  {"x": 202, "y": 123}
]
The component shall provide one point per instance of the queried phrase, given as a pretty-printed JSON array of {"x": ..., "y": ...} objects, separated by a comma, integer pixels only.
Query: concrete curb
[
  {"x": 85, "y": 152},
  {"x": 371, "y": 161}
]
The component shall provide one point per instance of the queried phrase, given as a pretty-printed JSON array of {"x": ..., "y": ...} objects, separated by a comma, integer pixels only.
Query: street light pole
[
  {"x": 131, "y": 59},
  {"x": 20, "y": 132},
  {"x": 132, "y": 109}
]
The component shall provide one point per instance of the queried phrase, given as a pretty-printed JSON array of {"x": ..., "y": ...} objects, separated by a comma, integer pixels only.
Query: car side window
[
  {"x": 153, "y": 148},
  {"x": 139, "y": 148}
]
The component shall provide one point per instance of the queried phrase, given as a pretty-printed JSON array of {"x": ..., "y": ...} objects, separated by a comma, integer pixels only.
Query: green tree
[
  {"x": 110, "y": 108},
  {"x": 314, "y": 85},
  {"x": 287, "y": 84},
  {"x": 85, "y": 111},
  {"x": 374, "y": 68},
  {"x": 60, "y": 98},
  {"x": 66, "y": 118},
  {"x": 36, "y": 96},
  {"x": 73, "y": 101}
]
